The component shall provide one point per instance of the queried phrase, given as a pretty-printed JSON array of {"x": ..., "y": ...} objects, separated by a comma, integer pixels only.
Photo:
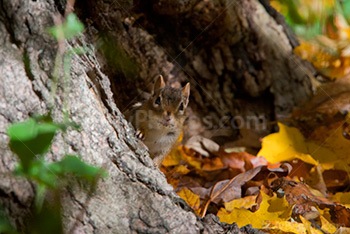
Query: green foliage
[
  {"x": 308, "y": 18},
  {"x": 5, "y": 225},
  {"x": 31, "y": 139},
  {"x": 48, "y": 219},
  {"x": 73, "y": 165},
  {"x": 343, "y": 7},
  {"x": 71, "y": 28}
]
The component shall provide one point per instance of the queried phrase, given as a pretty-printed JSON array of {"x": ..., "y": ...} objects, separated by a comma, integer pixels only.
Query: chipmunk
[{"x": 160, "y": 119}]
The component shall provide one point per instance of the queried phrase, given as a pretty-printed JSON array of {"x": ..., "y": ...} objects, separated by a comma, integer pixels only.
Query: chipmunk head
[{"x": 169, "y": 103}]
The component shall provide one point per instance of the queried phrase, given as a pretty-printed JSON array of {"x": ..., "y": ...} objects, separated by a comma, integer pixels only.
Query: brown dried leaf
[
  {"x": 202, "y": 145},
  {"x": 316, "y": 181},
  {"x": 227, "y": 190},
  {"x": 299, "y": 195}
]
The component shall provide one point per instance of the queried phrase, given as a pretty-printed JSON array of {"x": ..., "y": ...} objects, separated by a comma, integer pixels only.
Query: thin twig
[{"x": 69, "y": 8}]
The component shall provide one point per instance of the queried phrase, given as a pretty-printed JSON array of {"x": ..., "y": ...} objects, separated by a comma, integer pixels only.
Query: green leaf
[
  {"x": 40, "y": 196},
  {"x": 6, "y": 227},
  {"x": 294, "y": 13},
  {"x": 72, "y": 164},
  {"x": 346, "y": 8},
  {"x": 23, "y": 131},
  {"x": 31, "y": 138},
  {"x": 49, "y": 218},
  {"x": 71, "y": 28},
  {"x": 42, "y": 173}
]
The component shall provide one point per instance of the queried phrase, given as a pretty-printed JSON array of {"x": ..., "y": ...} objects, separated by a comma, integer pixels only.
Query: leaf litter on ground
[{"x": 304, "y": 167}]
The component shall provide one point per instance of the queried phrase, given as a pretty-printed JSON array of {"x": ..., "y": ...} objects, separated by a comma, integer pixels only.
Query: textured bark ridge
[{"x": 233, "y": 58}]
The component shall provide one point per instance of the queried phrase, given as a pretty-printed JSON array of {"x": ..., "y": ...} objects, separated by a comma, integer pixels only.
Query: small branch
[{"x": 69, "y": 8}]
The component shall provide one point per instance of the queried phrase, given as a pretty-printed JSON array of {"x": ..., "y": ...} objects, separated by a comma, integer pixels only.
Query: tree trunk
[{"x": 236, "y": 54}]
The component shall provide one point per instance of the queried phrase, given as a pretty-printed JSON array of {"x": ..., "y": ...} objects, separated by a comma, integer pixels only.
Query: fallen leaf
[
  {"x": 283, "y": 226},
  {"x": 304, "y": 201},
  {"x": 244, "y": 202},
  {"x": 337, "y": 180},
  {"x": 202, "y": 145},
  {"x": 212, "y": 164},
  {"x": 289, "y": 144},
  {"x": 191, "y": 199},
  {"x": 174, "y": 157},
  {"x": 316, "y": 181},
  {"x": 343, "y": 198},
  {"x": 308, "y": 228},
  {"x": 182, "y": 154},
  {"x": 227, "y": 190},
  {"x": 327, "y": 226},
  {"x": 285, "y": 145},
  {"x": 271, "y": 208},
  {"x": 343, "y": 230},
  {"x": 330, "y": 147}
]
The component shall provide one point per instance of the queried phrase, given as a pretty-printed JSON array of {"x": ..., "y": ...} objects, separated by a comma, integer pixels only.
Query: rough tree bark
[{"x": 243, "y": 56}]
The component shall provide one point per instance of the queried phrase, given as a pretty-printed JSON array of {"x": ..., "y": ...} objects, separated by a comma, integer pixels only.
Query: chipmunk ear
[
  {"x": 159, "y": 83},
  {"x": 186, "y": 93}
]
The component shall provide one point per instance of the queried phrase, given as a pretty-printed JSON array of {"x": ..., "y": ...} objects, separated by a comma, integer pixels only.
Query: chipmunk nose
[{"x": 167, "y": 116}]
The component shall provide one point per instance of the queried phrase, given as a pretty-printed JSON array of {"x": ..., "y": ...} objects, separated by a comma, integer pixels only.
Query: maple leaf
[
  {"x": 285, "y": 145},
  {"x": 272, "y": 226},
  {"x": 271, "y": 208},
  {"x": 289, "y": 143},
  {"x": 244, "y": 202}
]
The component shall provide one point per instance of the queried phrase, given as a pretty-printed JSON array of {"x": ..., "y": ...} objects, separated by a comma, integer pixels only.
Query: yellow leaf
[
  {"x": 330, "y": 148},
  {"x": 285, "y": 145},
  {"x": 327, "y": 226},
  {"x": 245, "y": 202},
  {"x": 326, "y": 54},
  {"x": 343, "y": 198},
  {"x": 307, "y": 224},
  {"x": 286, "y": 227},
  {"x": 174, "y": 157},
  {"x": 179, "y": 154},
  {"x": 191, "y": 199},
  {"x": 289, "y": 143},
  {"x": 181, "y": 169},
  {"x": 271, "y": 208}
]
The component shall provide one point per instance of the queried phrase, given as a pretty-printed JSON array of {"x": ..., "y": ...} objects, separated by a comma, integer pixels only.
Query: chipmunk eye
[
  {"x": 181, "y": 107},
  {"x": 157, "y": 102}
]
